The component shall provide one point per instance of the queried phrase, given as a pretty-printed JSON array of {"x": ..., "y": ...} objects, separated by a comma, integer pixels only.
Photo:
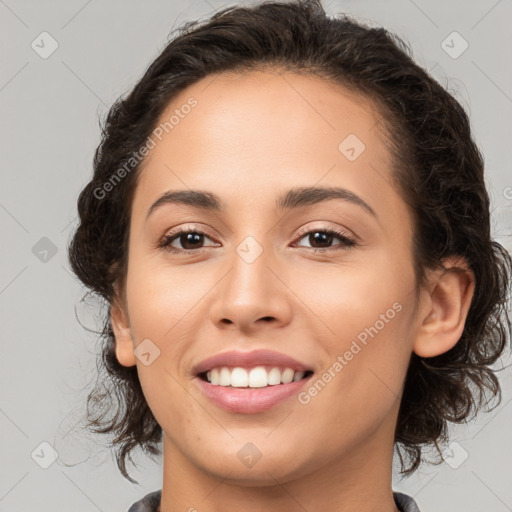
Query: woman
[{"x": 289, "y": 222}]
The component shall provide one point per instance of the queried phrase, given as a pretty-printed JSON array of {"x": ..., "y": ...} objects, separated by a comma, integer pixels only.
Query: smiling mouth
[{"x": 256, "y": 377}]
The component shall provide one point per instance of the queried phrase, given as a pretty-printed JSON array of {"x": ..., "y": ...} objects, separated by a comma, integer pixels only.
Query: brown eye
[
  {"x": 189, "y": 240},
  {"x": 321, "y": 239}
]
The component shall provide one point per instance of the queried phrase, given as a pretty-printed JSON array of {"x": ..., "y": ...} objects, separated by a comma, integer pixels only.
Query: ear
[
  {"x": 123, "y": 335},
  {"x": 443, "y": 315}
]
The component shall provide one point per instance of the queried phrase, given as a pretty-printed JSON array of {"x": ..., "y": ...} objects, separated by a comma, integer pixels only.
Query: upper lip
[{"x": 250, "y": 359}]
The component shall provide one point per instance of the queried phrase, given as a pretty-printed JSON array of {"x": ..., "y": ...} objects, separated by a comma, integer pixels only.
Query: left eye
[
  {"x": 324, "y": 236},
  {"x": 192, "y": 240}
]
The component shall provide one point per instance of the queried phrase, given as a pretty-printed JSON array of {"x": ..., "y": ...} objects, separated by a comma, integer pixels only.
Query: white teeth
[
  {"x": 287, "y": 376},
  {"x": 274, "y": 376},
  {"x": 239, "y": 378},
  {"x": 225, "y": 377},
  {"x": 257, "y": 377},
  {"x": 298, "y": 376}
]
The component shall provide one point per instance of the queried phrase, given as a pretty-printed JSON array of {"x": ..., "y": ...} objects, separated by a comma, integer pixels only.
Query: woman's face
[{"x": 254, "y": 281}]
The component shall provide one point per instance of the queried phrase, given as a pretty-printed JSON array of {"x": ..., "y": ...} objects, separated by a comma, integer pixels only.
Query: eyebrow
[{"x": 294, "y": 198}]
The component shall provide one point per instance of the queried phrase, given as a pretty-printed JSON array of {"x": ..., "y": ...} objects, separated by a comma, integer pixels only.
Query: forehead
[{"x": 266, "y": 130}]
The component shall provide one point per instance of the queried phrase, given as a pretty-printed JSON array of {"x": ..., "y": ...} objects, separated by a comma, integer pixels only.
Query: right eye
[{"x": 190, "y": 240}]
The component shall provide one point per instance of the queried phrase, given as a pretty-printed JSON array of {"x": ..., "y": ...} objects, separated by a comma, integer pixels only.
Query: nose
[{"x": 252, "y": 295}]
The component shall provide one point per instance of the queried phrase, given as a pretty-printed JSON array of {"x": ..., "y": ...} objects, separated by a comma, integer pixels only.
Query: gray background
[{"x": 49, "y": 112}]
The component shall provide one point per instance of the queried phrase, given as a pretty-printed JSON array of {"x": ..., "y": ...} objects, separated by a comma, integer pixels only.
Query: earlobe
[
  {"x": 123, "y": 335},
  {"x": 442, "y": 321}
]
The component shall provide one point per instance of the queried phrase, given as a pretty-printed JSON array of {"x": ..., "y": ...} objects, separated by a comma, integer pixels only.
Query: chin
[{"x": 264, "y": 472}]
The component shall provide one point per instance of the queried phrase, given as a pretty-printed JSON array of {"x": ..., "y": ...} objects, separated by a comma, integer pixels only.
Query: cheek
[
  {"x": 361, "y": 384},
  {"x": 366, "y": 313},
  {"x": 161, "y": 299},
  {"x": 350, "y": 296}
]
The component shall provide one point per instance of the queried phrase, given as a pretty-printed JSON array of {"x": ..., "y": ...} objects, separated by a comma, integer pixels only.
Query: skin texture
[{"x": 251, "y": 138}]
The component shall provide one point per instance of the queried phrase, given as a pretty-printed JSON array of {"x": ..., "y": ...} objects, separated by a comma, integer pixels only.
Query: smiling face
[{"x": 326, "y": 278}]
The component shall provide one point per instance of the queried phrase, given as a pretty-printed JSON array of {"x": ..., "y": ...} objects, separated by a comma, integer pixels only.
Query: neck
[{"x": 357, "y": 479}]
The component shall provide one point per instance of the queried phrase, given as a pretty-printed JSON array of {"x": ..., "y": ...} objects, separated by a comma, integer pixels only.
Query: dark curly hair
[{"x": 438, "y": 171}]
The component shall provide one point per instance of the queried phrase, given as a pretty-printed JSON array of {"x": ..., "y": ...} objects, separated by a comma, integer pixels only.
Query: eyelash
[{"x": 348, "y": 243}]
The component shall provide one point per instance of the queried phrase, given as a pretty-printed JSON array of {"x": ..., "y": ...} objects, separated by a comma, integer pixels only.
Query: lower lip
[{"x": 250, "y": 400}]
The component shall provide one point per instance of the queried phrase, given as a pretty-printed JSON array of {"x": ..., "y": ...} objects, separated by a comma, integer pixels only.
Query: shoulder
[
  {"x": 149, "y": 503},
  {"x": 405, "y": 503}
]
